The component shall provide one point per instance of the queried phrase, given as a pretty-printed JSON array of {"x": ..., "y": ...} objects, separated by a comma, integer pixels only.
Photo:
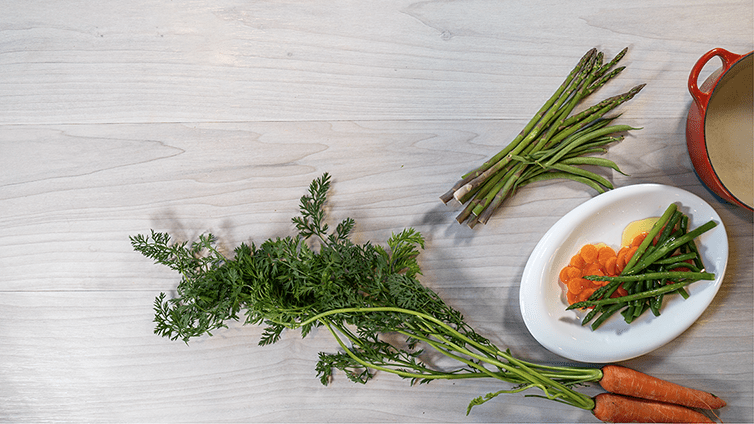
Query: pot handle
[{"x": 702, "y": 97}]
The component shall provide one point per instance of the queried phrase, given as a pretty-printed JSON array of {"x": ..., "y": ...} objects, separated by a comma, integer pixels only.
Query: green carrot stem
[{"x": 516, "y": 371}]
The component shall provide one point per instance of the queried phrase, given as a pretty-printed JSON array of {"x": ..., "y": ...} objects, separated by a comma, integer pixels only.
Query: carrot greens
[{"x": 357, "y": 292}]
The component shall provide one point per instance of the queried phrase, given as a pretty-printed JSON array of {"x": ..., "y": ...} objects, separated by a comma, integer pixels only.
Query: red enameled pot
[{"x": 719, "y": 130}]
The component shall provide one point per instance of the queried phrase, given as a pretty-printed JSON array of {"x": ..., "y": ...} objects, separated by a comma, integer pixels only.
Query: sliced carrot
[
  {"x": 591, "y": 260},
  {"x": 569, "y": 272},
  {"x": 680, "y": 269},
  {"x": 576, "y": 285},
  {"x": 620, "y": 291},
  {"x": 577, "y": 261},
  {"x": 589, "y": 253},
  {"x": 563, "y": 275},
  {"x": 639, "y": 239},
  {"x": 683, "y": 268},
  {"x": 610, "y": 268},
  {"x": 621, "y": 259},
  {"x": 574, "y": 272},
  {"x": 593, "y": 269},
  {"x": 613, "y": 408},
  {"x": 605, "y": 253},
  {"x": 630, "y": 253},
  {"x": 625, "y": 381},
  {"x": 585, "y": 293}
]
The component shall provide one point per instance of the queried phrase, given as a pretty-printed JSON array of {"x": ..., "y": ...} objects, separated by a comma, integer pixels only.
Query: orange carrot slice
[
  {"x": 593, "y": 269},
  {"x": 576, "y": 285},
  {"x": 639, "y": 239},
  {"x": 610, "y": 267},
  {"x": 577, "y": 261},
  {"x": 589, "y": 253},
  {"x": 568, "y": 273},
  {"x": 605, "y": 253}
]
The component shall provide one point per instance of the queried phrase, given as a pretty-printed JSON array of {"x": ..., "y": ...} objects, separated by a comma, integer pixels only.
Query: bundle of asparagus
[{"x": 552, "y": 144}]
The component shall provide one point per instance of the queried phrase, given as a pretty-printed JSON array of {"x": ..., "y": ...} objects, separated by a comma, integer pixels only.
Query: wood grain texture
[{"x": 117, "y": 118}]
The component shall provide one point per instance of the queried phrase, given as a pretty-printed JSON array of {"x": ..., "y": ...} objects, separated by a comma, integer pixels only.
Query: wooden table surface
[{"x": 194, "y": 116}]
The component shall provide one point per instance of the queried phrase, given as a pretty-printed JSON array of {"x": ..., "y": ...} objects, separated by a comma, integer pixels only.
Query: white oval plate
[{"x": 603, "y": 219}]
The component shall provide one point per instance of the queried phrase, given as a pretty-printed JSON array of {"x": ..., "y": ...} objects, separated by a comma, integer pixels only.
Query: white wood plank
[
  {"x": 104, "y": 62},
  {"x": 79, "y": 191}
]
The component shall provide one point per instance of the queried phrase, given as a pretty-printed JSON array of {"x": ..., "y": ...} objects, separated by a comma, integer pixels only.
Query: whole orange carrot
[
  {"x": 625, "y": 381},
  {"x": 623, "y": 409}
]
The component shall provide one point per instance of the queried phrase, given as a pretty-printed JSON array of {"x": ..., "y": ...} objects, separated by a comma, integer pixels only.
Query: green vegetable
[
  {"x": 368, "y": 297},
  {"x": 646, "y": 293},
  {"x": 660, "y": 265},
  {"x": 547, "y": 146}
]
